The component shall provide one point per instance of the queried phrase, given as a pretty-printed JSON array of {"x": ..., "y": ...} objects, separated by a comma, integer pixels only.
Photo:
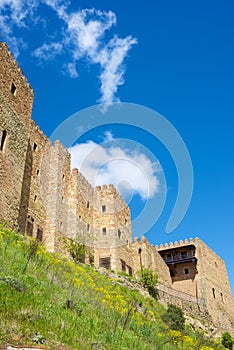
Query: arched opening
[{"x": 13, "y": 89}]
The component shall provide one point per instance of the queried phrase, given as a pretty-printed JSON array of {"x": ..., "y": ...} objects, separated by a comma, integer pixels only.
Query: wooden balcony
[{"x": 179, "y": 259}]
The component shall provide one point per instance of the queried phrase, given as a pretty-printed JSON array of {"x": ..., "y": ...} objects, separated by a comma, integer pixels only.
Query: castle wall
[
  {"x": 16, "y": 98},
  {"x": 12, "y": 161},
  {"x": 111, "y": 228},
  {"x": 181, "y": 260},
  {"x": 210, "y": 282},
  {"x": 33, "y": 212},
  {"x": 189, "y": 303},
  {"x": 213, "y": 283},
  {"x": 145, "y": 255},
  {"x": 55, "y": 176},
  {"x": 111, "y": 212},
  {"x": 14, "y": 86},
  {"x": 43, "y": 198},
  {"x": 186, "y": 282}
]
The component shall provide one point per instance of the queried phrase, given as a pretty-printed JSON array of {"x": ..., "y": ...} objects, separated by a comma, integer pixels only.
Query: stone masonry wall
[
  {"x": 12, "y": 162},
  {"x": 213, "y": 285},
  {"x": 111, "y": 228},
  {"x": 16, "y": 98},
  {"x": 14, "y": 86},
  {"x": 210, "y": 284},
  {"x": 144, "y": 253},
  {"x": 189, "y": 303},
  {"x": 42, "y": 197}
]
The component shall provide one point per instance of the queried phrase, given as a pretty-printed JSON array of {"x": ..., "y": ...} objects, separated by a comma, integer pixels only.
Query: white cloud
[
  {"x": 111, "y": 60},
  {"x": 133, "y": 170},
  {"x": 84, "y": 37},
  {"x": 86, "y": 29},
  {"x": 70, "y": 68},
  {"x": 80, "y": 35},
  {"x": 108, "y": 136},
  {"x": 48, "y": 51}
]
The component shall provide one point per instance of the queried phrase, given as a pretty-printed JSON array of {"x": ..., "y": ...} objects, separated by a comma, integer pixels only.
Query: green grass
[{"x": 49, "y": 300}]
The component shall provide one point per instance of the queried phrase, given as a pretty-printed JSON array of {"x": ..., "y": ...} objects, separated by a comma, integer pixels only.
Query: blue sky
[{"x": 175, "y": 57}]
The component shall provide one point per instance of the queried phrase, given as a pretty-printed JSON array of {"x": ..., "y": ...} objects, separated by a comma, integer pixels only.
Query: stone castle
[{"x": 44, "y": 198}]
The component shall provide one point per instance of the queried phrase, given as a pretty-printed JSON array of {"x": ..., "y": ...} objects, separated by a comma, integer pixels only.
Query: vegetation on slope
[{"x": 49, "y": 300}]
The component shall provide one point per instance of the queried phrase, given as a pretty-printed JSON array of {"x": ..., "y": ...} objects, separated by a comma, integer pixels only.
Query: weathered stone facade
[
  {"x": 197, "y": 271},
  {"x": 44, "y": 198}
]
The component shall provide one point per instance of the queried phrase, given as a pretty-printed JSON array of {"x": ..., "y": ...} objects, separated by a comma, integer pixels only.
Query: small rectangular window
[
  {"x": 123, "y": 265},
  {"x": 39, "y": 234},
  {"x": 103, "y": 208},
  {"x": 87, "y": 205},
  {"x": 88, "y": 227},
  {"x": 34, "y": 147},
  {"x": 119, "y": 233},
  {"x": 186, "y": 271},
  {"x": 29, "y": 228},
  {"x": 105, "y": 262},
  {"x": 104, "y": 231}
]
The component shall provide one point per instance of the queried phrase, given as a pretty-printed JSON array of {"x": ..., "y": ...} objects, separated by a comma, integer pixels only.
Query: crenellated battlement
[
  {"x": 175, "y": 244},
  {"x": 46, "y": 199},
  {"x": 107, "y": 189}
]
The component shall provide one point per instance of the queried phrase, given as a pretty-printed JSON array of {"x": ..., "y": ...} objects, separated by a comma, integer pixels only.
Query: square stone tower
[
  {"x": 112, "y": 229},
  {"x": 198, "y": 271}
]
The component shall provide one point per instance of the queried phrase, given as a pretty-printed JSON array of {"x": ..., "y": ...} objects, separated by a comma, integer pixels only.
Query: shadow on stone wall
[{"x": 25, "y": 190}]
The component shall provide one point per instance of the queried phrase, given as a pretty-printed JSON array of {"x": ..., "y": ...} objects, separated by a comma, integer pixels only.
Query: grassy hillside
[{"x": 47, "y": 300}]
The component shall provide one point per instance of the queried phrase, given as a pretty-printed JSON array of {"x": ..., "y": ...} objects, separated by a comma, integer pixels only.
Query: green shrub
[
  {"x": 227, "y": 340},
  {"x": 174, "y": 317},
  {"x": 76, "y": 249},
  {"x": 149, "y": 280}
]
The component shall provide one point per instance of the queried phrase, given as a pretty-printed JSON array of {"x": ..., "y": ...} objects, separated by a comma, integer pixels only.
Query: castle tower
[
  {"x": 112, "y": 229},
  {"x": 16, "y": 98},
  {"x": 197, "y": 271}
]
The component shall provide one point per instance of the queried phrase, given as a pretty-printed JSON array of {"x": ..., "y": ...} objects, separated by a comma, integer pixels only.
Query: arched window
[{"x": 13, "y": 89}]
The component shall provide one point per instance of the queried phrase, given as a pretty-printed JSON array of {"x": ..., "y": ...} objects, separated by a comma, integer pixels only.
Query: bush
[
  {"x": 227, "y": 340},
  {"x": 174, "y": 317},
  {"x": 77, "y": 250},
  {"x": 149, "y": 280}
]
